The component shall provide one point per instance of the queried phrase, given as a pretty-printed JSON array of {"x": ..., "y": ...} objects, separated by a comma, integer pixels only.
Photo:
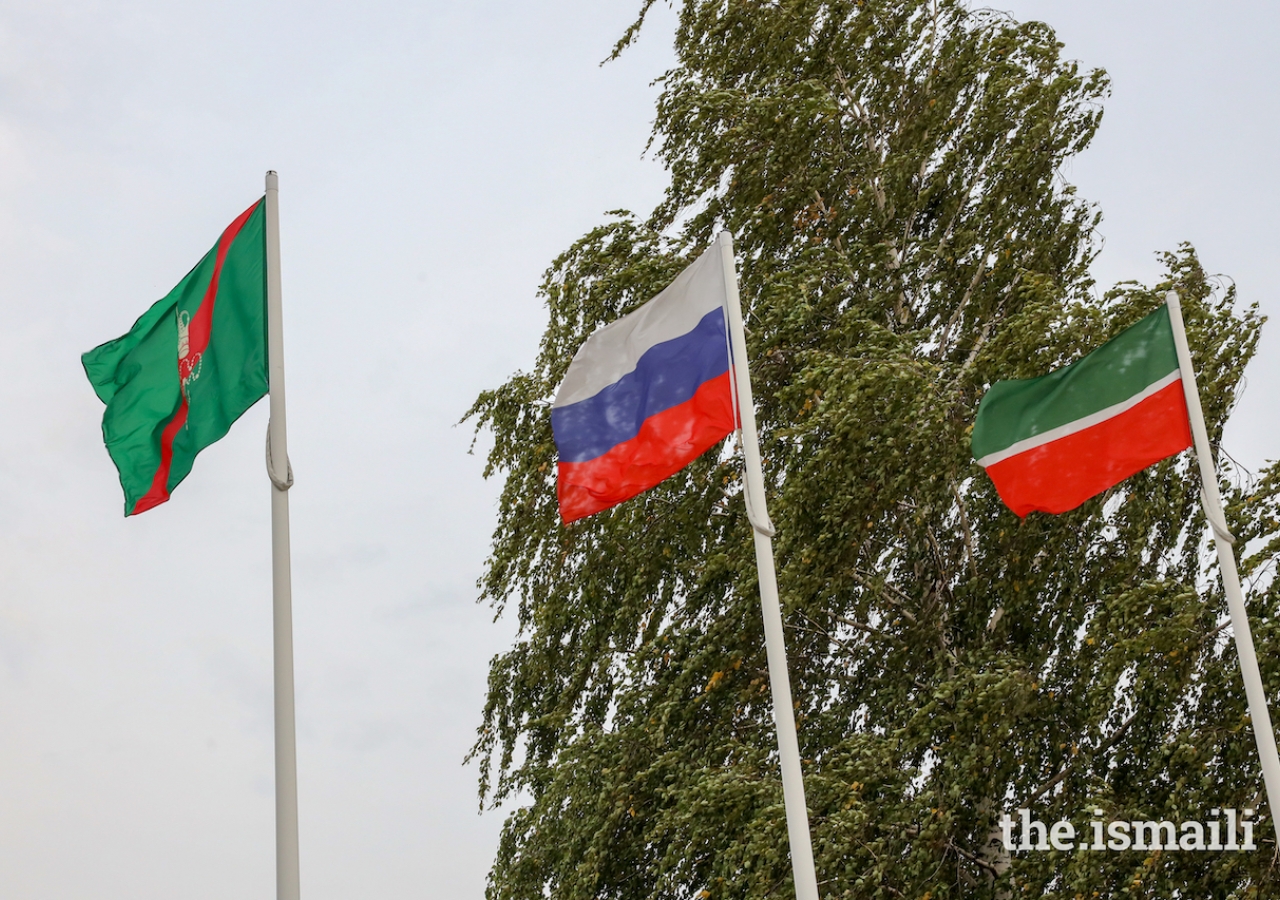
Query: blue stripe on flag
[{"x": 666, "y": 375}]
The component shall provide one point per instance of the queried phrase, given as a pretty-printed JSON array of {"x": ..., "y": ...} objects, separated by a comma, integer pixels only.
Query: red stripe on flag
[
  {"x": 159, "y": 491},
  {"x": 201, "y": 330},
  {"x": 1060, "y": 475},
  {"x": 666, "y": 443},
  {"x": 202, "y": 321}
]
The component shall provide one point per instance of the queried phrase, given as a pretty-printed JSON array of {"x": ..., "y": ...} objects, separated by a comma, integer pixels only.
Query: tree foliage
[{"x": 891, "y": 172}]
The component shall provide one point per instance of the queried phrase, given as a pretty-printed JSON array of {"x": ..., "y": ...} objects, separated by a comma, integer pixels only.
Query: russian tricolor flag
[{"x": 645, "y": 395}]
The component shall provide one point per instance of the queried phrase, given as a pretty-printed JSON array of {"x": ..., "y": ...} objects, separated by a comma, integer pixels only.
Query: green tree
[{"x": 891, "y": 171}]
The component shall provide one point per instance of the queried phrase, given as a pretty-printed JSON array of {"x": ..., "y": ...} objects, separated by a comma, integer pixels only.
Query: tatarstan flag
[
  {"x": 1051, "y": 443},
  {"x": 188, "y": 368}
]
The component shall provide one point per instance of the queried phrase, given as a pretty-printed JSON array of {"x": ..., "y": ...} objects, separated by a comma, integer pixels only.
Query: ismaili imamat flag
[
  {"x": 645, "y": 395},
  {"x": 188, "y": 368},
  {"x": 1051, "y": 443}
]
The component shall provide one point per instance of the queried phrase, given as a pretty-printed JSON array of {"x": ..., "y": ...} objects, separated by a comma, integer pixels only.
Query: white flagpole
[
  {"x": 1263, "y": 733},
  {"x": 762, "y": 530},
  {"x": 287, "y": 882}
]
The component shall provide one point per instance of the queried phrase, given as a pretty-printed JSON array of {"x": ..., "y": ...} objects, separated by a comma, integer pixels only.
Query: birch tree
[{"x": 892, "y": 172}]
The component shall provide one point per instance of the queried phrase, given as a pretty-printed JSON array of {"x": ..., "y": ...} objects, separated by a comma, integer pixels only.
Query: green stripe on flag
[{"x": 1014, "y": 411}]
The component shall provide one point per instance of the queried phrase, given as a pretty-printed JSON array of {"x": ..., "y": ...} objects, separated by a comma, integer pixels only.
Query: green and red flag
[
  {"x": 189, "y": 367},
  {"x": 1051, "y": 443}
]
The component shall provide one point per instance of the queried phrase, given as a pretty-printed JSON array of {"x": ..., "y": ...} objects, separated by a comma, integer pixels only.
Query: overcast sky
[{"x": 433, "y": 159}]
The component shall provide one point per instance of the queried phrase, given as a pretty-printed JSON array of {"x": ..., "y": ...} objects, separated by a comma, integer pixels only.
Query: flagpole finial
[{"x": 273, "y": 180}]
